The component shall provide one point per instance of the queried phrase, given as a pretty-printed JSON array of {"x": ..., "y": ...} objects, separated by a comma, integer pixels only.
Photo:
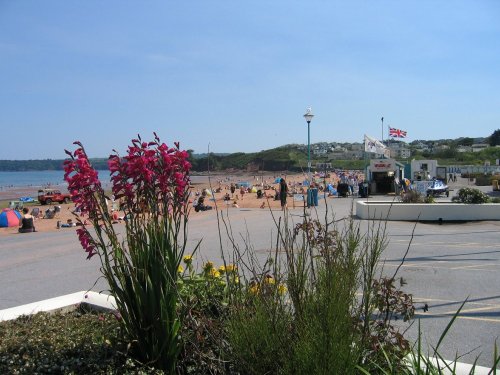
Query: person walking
[{"x": 283, "y": 193}]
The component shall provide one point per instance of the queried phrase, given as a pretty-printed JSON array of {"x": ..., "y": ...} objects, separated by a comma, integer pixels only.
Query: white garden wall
[{"x": 446, "y": 211}]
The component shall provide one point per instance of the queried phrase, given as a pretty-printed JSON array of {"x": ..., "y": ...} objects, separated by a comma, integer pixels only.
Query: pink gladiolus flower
[
  {"x": 151, "y": 177},
  {"x": 87, "y": 242}
]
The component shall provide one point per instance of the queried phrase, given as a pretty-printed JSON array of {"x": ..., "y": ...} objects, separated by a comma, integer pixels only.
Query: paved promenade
[{"x": 446, "y": 264}]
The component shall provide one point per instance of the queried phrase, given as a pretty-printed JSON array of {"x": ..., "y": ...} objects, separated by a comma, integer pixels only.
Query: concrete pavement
[{"x": 445, "y": 265}]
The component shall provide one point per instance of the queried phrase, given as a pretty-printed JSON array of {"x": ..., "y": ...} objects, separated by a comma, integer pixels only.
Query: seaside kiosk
[{"x": 382, "y": 174}]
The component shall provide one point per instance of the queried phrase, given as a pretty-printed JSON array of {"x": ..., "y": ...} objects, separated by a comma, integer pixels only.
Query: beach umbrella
[{"x": 9, "y": 218}]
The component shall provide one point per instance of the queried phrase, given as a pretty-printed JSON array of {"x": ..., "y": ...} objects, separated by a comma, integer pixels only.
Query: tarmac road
[{"x": 446, "y": 264}]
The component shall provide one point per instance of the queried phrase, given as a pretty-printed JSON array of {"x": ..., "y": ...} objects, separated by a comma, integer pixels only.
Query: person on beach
[
  {"x": 283, "y": 193},
  {"x": 27, "y": 225}
]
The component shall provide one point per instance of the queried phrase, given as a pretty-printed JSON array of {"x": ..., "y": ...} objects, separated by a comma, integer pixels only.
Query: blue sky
[{"x": 239, "y": 75}]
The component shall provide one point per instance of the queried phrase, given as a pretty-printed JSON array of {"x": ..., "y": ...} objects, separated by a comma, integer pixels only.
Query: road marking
[
  {"x": 476, "y": 265},
  {"x": 458, "y": 244},
  {"x": 480, "y": 319},
  {"x": 490, "y": 320},
  {"x": 492, "y": 307},
  {"x": 421, "y": 299},
  {"x": 467, "y": 311},
  {"x": 414, "y": 264},
  {"x": 437, "y": 267}
]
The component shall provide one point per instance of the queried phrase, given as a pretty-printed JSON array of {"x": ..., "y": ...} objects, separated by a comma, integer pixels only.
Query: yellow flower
[
  {"x": 281, "y": 289},
  {"x": 254, "y": 289},
  {"x": 180, "y": 269},
  {"x": 222, "y": 269},
  {"x": 214, "y": 273},
  {"x": 230, "y": 268},
  {"x": 270, "y": 280},
  {"x": 188, "y": 259},
  {"x": 236, "y": 280}
]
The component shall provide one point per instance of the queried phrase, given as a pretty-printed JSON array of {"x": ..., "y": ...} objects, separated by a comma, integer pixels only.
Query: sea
[
  {"x": 39, "y": 179},
  {"x": 12, "y": 184}
]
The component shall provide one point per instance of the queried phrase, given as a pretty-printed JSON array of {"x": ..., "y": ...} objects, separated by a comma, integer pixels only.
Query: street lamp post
[{"x": 309, "y": 116}]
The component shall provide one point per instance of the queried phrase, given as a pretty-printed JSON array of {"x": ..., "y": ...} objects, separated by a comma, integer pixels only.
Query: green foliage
[
  {"x": 466, "y": 141},
  {"x": 78, "y": 342},
  {"x": 44, "y": 165},
  {"x": 413, "y": 196},
  {"x": 430, "y": 199},
  {"x": 260, "y": 336},
  {"x": 494, "y": 138},
  {"x": 471, "y": 196},
  {"x": 205, "y": 307},
  {"x": 485, "y": 180},
  {"x": 281, "y": 158},
  {"x": 321, "y": 326}
]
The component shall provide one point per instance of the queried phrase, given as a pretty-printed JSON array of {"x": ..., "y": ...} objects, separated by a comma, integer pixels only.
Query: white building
[{"x": 479, "y": 147}]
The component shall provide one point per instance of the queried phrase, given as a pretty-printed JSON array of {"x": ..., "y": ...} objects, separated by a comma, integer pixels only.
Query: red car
[{"x": 47, "y": 196}]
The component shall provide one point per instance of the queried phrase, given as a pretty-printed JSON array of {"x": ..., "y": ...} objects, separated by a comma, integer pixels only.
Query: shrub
[
  {"x": 320, "y": 325},
  {"x": 205, "y": 307},
  {"x": 430, "y": 199},
  {"x": 471, "y": 196},
  {"x": 412, "y": 196},
  {"x": 483, "y": 180}
]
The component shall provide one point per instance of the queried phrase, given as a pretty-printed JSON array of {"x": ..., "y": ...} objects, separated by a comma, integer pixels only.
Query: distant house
[
  {"x": 404, "y": 153},
  {"x": 357, "y": 147},
  {"x": 420, "y": 146},
  {"x": 479, "y": 147},
  {"x": 320, "y": 151},
  {"x": 339, "y": 149},
  {"x": 464, "y": 149},
  {"x": 441, "y": 147}
]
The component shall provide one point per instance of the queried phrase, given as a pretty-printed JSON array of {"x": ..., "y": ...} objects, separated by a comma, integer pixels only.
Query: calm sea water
[
  {"x": 39, "y": 178},
  {"x": 52, "y": 178}
]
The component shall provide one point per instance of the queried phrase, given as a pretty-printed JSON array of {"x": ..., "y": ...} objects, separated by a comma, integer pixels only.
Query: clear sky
[{"x": 239, "y": 75}]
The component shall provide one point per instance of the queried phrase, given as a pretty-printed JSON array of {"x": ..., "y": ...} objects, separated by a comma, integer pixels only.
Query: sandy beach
[{"x": 220, "y": 185}]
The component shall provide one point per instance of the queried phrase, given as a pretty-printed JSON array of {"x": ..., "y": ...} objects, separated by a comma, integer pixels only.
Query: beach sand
[{"x": 247, "y": 201}]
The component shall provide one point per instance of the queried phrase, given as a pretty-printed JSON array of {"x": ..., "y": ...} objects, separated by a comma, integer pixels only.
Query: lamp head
[{"x": 309, "y": 115}]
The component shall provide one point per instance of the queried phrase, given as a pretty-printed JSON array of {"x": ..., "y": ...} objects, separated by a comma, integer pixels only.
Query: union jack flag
[{"x": 397, "y": 133}]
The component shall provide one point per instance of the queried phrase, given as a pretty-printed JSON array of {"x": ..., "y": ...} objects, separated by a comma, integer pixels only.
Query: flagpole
[
  {"x": 382, "y": 129},
  {"x": 389, "y": 138},
  {"x": 366, "y": 164}
]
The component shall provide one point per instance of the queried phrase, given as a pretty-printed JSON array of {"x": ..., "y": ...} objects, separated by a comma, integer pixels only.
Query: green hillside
[{"x": 288, "y": 158}]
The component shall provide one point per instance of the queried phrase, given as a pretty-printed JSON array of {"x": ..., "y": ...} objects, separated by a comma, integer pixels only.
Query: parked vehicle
[
  {"x": 47, "y": 196},
  {"x": 438, "y": 187}
]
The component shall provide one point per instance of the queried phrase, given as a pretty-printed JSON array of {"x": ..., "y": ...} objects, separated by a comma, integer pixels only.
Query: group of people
[
  {"x": 235, "y": 192},
  {"x": 281, "y": 195},
  {"x": 199, "y": 202}
]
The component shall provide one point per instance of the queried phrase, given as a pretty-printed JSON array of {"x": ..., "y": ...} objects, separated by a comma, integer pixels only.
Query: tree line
[
  {"x": 284, "y": 158},
  {"x": 278, "y": 159}
]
